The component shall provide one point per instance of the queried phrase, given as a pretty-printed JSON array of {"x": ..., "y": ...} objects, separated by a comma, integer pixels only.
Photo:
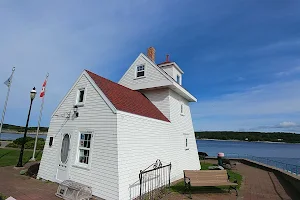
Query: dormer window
[
  {"x": 140, "y": 71},
  {"x": 178, "y": 79}
]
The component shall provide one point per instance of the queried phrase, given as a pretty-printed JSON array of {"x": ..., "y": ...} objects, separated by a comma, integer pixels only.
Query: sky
[{"x": 241, "y": 59}]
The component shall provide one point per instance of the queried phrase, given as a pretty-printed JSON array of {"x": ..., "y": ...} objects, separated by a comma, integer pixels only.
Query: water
[
  {"x": 13, "y": 136},
  {"x": 267, "y": 152}
]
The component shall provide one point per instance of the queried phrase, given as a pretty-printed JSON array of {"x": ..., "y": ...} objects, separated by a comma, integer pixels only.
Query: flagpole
[
  {"x": 6, "y": 100},
  {"x": 39, "y": 122}
]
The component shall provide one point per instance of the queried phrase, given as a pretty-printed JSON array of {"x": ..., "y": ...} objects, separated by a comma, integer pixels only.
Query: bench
[{"x": 207, "y": 178}]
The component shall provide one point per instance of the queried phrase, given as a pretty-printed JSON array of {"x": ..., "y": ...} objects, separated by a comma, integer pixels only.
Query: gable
[
  {"x": 153, "y": 77},
  {"x": 69, "y": 100}
]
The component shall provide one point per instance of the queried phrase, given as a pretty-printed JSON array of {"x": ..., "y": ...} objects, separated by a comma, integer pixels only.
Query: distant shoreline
[
  {"x": 248, "y": 141},
  {"x": 29, "y": 132}
]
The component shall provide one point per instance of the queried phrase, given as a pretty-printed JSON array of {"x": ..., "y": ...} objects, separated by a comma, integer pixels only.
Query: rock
[{"x": 23, "y": 172}]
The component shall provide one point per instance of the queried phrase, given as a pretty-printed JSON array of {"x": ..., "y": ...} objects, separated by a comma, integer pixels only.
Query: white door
[{"x": 63, "y": 164}]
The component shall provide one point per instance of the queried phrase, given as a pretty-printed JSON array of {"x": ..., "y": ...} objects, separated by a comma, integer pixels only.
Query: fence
[
  {"x": 154, "y": 180},
  {"x": 293, "y": 169}
]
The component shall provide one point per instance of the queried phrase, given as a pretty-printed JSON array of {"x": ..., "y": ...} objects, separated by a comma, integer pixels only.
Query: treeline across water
[
  {"x": 249, "y": 136},
  {"x": 14, "y": 128}
]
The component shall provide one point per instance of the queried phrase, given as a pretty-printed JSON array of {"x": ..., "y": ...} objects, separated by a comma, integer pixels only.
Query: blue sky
[{"x": 240, "y": 58}]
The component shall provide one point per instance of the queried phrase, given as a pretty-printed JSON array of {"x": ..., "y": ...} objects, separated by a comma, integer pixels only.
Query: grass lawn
[
  {"x": 179, "y": 187},
  {"x": 10, "y": 157}
]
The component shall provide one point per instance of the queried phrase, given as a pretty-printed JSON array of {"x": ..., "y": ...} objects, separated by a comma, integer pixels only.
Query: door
[{"x": 63, "y": 164}]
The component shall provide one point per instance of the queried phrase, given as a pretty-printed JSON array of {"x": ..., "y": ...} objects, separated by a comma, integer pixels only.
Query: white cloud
[
  {"x": 274, "y": 98},
  {"x": 287, "y": 124},
  {"x": 258, "y": 106},
  {"x": 292, "y": 71}
]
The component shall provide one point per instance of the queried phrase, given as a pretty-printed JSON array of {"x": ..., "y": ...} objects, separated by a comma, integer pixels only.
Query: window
[
  {"x": 80, "y": 96},
  {"x": 181, "y": 109},
  {"x": 140, "y": 71},
  {"x": 85, "y": 147},
  {"x": 178, "y": 79},
  {"x": 186, "y": 143}
]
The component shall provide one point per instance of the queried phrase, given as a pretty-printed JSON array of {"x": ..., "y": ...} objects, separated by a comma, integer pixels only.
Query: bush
[
  {"x": 13, "y": 145},
  {"x": 19, "y": 141},
  {"x": 29, "y": 143},
  {"x": 40, "y": 144},
  {"x": 2, "y": 197}
]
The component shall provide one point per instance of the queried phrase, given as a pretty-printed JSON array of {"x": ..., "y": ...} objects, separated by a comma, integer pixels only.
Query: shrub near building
[{"x": 29, "y": 144}]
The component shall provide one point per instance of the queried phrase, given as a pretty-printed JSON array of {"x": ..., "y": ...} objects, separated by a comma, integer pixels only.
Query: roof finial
[{"x": 167, "y": 58}]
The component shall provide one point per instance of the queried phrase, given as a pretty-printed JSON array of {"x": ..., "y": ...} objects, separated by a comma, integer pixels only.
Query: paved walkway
[
  {"x": 23, "y": 187},
  {"x": 260, "y": 184},
  {"x": 257, "y": 184}
]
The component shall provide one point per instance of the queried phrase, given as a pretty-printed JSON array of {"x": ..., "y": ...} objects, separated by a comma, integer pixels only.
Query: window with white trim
[
  {"x": 140, "y": 71},
  {"x": 84, "y": 148},
  {"x": 80, "y": 96}
]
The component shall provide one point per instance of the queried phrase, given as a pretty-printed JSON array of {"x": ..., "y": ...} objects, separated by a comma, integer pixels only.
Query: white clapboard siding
[
  {"x": 184, "y": 125},
  {"x": 169, "y": 70},
  {"x": 153, "y": 77},
  {"x": 94, "y": 116},
  {"x": 160, "y": 98},
  {"x": 141, "y": 141}
]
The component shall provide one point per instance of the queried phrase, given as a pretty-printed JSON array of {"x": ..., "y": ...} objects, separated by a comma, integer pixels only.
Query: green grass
[
  {"x": 179, "y": 187},
  {"x": 10, "y": 157},
  {"x": 204, "y": 166}
]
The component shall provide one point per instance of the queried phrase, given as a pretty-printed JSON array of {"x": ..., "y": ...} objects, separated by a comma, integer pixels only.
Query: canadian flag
[{"x": 42, "y": 94}]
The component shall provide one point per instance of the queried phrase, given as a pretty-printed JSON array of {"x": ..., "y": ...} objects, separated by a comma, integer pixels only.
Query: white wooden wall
[
  {"x": 153, "y": 77},
  {"x": 141, "y": 141},
  {"x": 95, "y": 116},
  {"x": 183, "y": 125},
  {"x": 161, "y": 99}
]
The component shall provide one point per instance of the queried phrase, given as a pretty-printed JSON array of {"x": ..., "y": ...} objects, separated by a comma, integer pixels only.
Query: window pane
[
  {"x": 65, "y": 148},
  {"x": 81, "y": 95},
  {"x": 186, "y": 142},
  {"x": 84, "y": 156},
  {"x": 178, "y": 79},
  {"x": 139, "y": 74}
]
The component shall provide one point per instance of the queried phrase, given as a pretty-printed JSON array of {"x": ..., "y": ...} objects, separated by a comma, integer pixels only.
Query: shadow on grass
[
  {"x": 5, "y": 154},
  {"x": 37, "y": 157}
]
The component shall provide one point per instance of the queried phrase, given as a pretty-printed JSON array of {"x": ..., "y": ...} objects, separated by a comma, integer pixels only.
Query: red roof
[{"x": 127, "y": 100}]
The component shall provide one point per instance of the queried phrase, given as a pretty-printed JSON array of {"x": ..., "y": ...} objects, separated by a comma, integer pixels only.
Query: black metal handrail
[
  {"x": 154, "y": 179},
  {"x": 291, "y": 168}
]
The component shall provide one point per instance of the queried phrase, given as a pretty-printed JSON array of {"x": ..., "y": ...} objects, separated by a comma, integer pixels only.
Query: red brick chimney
[{"x": 151, "y": 54}]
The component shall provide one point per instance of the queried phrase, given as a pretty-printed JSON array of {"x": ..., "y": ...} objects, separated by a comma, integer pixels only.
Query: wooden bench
[{"x": 207, "y": 178}]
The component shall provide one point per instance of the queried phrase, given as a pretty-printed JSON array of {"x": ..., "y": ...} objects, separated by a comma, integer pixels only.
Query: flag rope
[{"x": 40, "y": 117}]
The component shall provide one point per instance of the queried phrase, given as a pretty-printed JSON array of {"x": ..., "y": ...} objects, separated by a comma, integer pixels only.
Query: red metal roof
[{"x": 127, "y": 100}]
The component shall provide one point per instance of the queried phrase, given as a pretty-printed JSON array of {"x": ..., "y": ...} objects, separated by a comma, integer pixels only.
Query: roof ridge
[{"x": 110, "y": 80}]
